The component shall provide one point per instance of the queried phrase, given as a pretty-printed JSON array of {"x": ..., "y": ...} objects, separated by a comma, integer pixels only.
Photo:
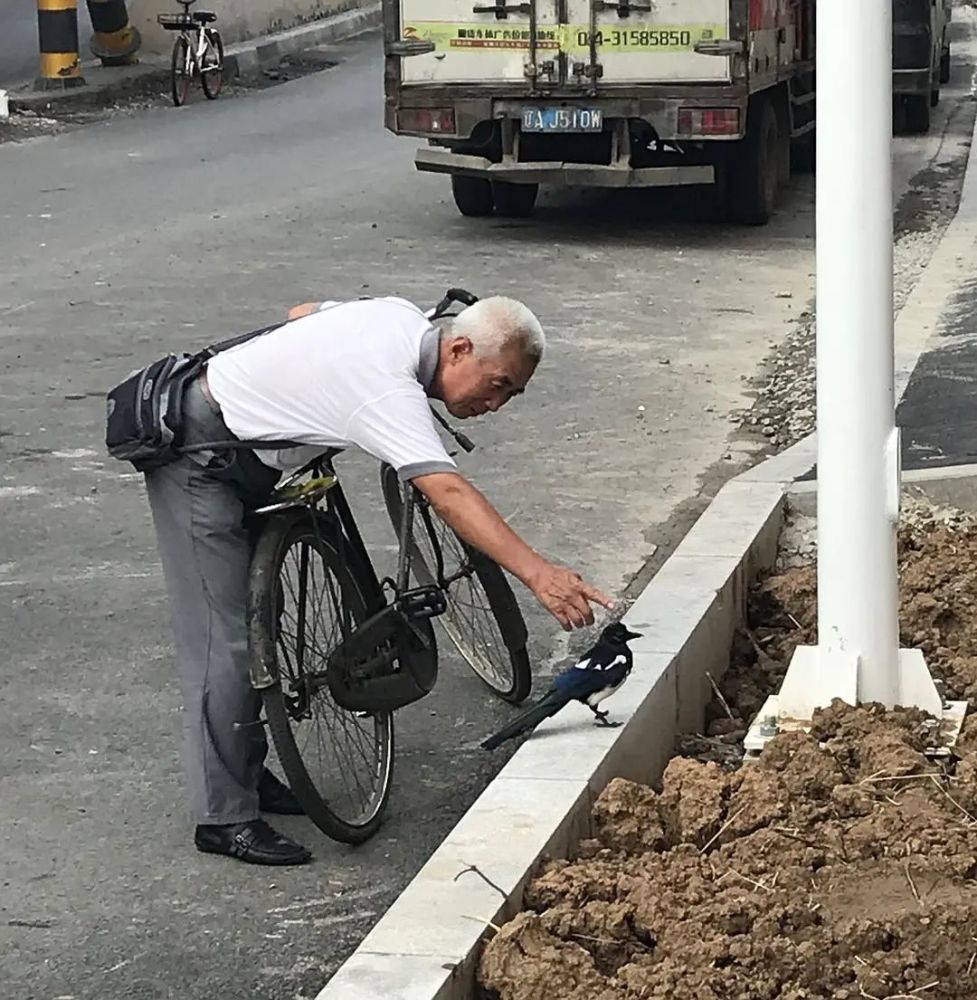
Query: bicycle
[
  {"x": 335, "y": 651},
  {"x": 197, "y": 50}
]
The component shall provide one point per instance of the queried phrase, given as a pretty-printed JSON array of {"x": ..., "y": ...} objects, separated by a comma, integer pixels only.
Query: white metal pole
[{"x": 857, "y": 444}]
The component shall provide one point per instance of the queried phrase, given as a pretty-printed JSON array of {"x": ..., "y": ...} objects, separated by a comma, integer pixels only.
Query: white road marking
[{"x": 92, "y": 573}]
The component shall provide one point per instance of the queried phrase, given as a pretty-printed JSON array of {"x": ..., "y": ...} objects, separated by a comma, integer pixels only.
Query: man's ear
[{"x": 459, "y": 348}]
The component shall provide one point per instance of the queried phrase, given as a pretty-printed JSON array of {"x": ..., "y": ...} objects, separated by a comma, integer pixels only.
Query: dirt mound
[{"x": 840, "y": 865}]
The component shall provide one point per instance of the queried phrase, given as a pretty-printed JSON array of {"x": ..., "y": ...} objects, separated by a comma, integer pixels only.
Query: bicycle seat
[{"x": 204, "y": 16}]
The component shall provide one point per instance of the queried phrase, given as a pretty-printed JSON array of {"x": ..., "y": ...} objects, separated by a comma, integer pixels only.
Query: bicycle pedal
[{"x": 423, "y": 602}]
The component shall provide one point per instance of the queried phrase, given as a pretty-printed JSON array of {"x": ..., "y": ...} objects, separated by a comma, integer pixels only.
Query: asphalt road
[
  {"x": 166, "y": 229},
  {"x": 18, "y": 39}
]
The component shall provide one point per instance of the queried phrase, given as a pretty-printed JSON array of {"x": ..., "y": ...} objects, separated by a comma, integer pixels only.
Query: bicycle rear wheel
[
  {"x": 212, "y": 70},
  {"x": 483, "y": 619},
  {"x": 180, "y": 71},
  {"x": 302, "y": 594}
]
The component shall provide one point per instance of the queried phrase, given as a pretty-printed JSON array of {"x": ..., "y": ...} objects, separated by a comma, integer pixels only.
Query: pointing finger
[{"x": 598, "y": 597}]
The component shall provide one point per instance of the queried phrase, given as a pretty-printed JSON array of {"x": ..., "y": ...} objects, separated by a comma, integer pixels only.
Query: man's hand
[
  {"x": 566, "y": 596},
  {"x": 562, "y": 592},
  {"x": 305, "y": 309}
]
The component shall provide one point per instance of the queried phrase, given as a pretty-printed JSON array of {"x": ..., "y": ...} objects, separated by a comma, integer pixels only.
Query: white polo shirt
[{"x": 353, "y": 373}]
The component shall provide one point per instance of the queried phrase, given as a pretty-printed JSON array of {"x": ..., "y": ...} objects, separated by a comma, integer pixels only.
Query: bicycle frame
[
  {"x": 325, "y": 486},
  {"x": 196, "y": 39},
  {"x": 411, "y": 500}
]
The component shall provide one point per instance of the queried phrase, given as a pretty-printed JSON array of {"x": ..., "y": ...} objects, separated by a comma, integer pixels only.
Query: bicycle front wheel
[
  {"x": 303, "y": 594},
  {"x": 212, "y": 69},
  {"x": 483, "y": 619},
  {"x": 180, "y": 71}
]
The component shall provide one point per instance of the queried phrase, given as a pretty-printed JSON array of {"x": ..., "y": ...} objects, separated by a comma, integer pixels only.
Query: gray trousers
[{"x": 199, "y": 505}]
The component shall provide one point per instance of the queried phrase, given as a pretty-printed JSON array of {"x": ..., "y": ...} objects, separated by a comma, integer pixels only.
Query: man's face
[{"x": 471, "y": 385}]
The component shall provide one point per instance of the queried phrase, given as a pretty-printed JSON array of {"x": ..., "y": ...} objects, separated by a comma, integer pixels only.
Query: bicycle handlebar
[{"x": 452, "y": 296}]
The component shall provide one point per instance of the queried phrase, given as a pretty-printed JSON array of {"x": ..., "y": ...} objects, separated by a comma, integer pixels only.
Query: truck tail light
[
  {"x": 429, "y": 121},
  {"x": 708, "y": 121}
]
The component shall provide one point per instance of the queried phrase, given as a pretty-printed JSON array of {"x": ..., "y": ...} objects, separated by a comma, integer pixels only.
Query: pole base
[
  {"x": 116, "y": 48},
  {"x": 815, "y": 678},
  {"x": 131, "y": 60},
  {"x": 771, "y": 722},
  {"x": 58, "y": 82}
]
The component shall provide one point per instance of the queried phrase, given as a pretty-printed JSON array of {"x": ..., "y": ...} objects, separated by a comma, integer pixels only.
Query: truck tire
[
  {"x": 934, "y": 97},
  {"x": 514, "y": 201},
  {"x": 473, "y": 195},
  {"x": 945, "y": 66},
  {"x": 917, "y": 108},
  {"x": 755, "y": 167}
]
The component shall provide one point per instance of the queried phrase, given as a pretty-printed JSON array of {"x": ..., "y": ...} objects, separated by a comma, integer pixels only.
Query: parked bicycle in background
[{"x": 197, "y": 51}]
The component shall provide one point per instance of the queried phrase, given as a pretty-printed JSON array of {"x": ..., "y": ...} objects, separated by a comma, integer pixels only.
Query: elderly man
[{"x": 338, "y": 374}]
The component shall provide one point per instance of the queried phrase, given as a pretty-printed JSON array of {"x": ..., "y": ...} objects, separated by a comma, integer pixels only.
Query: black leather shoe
[
  {"x": 276, "y": 797},
  {"x": 254, "y": 842}
]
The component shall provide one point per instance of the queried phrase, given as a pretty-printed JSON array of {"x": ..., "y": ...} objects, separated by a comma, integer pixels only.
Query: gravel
[{"x": 785, "y": 410}]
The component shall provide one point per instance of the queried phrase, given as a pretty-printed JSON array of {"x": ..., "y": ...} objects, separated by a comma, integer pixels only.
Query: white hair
[{"x": 493, "y": 323}]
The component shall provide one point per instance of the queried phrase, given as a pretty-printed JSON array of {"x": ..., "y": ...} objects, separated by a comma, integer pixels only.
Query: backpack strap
[
  {"x": 242, "y": 338},
  {"x": 242, "y": 445},
  {"x": 203, "y": 356}
]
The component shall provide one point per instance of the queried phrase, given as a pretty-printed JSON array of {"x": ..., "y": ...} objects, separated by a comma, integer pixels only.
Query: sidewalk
[
  {"x": 106, "y": 84},
  {"x": 938, "y": 410},
  {"x": 938, "y": 413}
]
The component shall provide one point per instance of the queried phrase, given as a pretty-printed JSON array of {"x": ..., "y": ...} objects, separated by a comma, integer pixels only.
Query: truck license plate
[{"x": 562, "y": 120}]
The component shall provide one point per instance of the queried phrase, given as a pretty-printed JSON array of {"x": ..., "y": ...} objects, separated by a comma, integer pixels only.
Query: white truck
[
  {"x": 511, "y": 94},
  {"x": 920, "y": 58}
]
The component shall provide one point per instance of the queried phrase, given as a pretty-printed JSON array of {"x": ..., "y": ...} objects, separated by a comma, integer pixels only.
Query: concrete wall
[{"x": 237, "y": 19}]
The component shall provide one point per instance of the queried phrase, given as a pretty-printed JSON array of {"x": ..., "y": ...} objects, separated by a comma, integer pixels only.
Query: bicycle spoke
[
  {"x": 330, "y": 718},
  {"x": 345, "y": 757},
  {"x": 469, "y": 620},
  {"x": 322, "y": 718}
]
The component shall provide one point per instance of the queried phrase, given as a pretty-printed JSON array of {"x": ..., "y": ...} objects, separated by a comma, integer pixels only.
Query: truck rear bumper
[{"x": 620, "y": 175}]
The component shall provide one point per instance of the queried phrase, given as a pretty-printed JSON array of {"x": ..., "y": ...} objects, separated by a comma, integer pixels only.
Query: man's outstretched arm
[
  {"x": 305, "y": 309},
  {"x": 561, "y": 591}
]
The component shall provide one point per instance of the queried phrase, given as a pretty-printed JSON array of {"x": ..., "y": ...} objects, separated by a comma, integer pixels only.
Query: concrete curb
[
  {"x": 426, "y": 945},
  {"x": 249, "y": 56},
  {"x": 108, "y": 84}
]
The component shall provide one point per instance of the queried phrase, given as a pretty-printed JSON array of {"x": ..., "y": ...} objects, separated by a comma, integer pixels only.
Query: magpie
[{"x": 594, "y": 677}]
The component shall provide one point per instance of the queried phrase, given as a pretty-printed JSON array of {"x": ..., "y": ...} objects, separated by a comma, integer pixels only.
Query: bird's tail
[{"x": 548, "y": 705}]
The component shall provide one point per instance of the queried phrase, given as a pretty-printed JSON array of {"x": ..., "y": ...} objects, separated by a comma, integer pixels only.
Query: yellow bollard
[
  {"x": 115, "y": 40},
  {"x": 57, "y": 35}
]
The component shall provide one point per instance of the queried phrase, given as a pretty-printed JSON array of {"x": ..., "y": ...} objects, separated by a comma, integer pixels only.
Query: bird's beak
[{"x": 634, "y": 635}]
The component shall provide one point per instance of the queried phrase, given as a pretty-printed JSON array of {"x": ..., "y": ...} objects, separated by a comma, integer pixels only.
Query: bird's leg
[{"x": 602, "y": 720}]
